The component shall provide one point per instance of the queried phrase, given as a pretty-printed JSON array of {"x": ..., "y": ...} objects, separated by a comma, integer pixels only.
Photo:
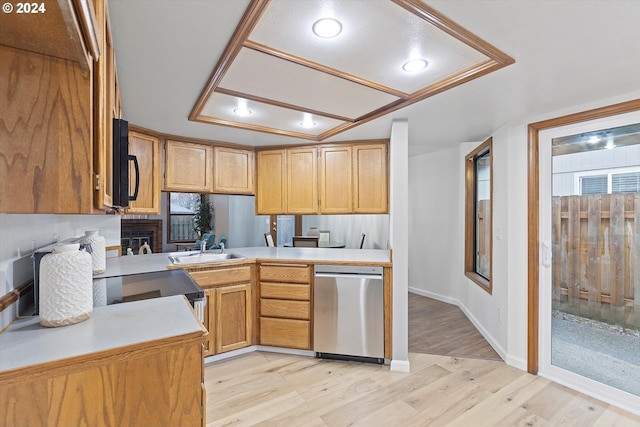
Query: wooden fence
[
  {"x": 596, "y": 245},
  {"x": 182, "y": 228}
]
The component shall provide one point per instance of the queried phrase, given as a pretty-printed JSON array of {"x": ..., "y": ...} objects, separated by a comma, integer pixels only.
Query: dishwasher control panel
[{"x": 348, "y": 269}]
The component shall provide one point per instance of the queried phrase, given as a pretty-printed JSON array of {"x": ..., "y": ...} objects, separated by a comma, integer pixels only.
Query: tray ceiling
[{"x": 289, "y": 81}]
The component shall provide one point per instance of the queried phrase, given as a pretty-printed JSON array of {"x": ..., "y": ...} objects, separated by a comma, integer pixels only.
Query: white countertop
[
  {"x": 317, "y": 255},
  {"x": 27, "y": 343},
  {"x": 136, "y": 264}
]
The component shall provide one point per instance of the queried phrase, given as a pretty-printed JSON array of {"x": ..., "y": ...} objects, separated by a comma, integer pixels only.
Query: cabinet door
[
  {"x": 233, "y": 171},
  {"x": 271, "y": 197},
  {"x": 302, "y": 180},
  {"x": 104, "y": 106},
  {"x": 370, "y": 179},
  {"x": 335, "y": 180},
  {"x": 234, "y": 319},
  {"x": 188, "y": 167},
  {"x": 46, "y": 140},
  {"x": 147, "y": 150},
  {"x": 60, "y": 29}
]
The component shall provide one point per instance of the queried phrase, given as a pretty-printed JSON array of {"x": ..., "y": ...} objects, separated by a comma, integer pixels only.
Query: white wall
[
  {"x": 398, "y": 240},
  {"x": 220, "y": 204},
  {"x": 246, "y": 229},
  {"x": 21, "y": 234},
  {"x": 566, "y": 166},
  {"x": 435, "y": 235},
  {"x": 349, "y": 229}
]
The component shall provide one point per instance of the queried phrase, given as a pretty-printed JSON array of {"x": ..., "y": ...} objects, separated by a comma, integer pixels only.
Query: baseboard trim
[
  {"x": 434, "y": 296},
  {"x": 229, "y": 354},
  {"x": 516, "y": 362},
  {"x": 400, "y": 365},
  {"x": 487, "y": 336}
]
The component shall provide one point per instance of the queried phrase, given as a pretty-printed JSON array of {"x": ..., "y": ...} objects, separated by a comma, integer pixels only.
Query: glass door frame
[{"x": 537, "y": 254}]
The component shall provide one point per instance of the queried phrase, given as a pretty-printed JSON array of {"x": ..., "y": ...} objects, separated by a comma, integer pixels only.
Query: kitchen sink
[{"x": 200, "y": 258}]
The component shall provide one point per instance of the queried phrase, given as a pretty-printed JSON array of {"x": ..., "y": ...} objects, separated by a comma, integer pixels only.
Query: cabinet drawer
[
  {"x": 286, "y": 309},
  {"x": 285, "y": 273},
  {"x": 221, "y": 276},
  {"x": 285, "y": 291},
  {"x": 285, "y": 333}
]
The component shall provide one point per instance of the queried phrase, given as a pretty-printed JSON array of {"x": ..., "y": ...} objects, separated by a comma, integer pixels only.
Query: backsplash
[{"x": 20, "y": 234}]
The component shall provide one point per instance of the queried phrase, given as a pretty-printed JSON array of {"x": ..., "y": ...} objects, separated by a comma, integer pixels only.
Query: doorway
[
  {"x": 284, "y": 227},
  {"x": 582, "y": 251}
]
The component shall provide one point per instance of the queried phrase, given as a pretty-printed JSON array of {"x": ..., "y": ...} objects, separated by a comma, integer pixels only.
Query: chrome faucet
[
  {"x": 221, "y": 247},
  {"x": 203, "y": 246}
]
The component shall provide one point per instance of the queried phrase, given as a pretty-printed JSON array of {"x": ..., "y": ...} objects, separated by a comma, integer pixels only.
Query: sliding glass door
[{"x": 590, "y": 257}]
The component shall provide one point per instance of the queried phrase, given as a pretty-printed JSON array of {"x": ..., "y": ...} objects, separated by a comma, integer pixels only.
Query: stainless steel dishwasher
[{"x": 348, "y": 314}]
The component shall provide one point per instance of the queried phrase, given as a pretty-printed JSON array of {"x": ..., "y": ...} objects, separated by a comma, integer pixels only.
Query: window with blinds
[
  {"x": 625, "y": 182},
  {"x": 628, "y": 182},
  {"x": 594, "y": 184}
]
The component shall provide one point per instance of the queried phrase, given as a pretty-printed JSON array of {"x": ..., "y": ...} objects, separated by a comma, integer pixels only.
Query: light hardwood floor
[
  {"x": 271, "y": 389},
  {"x": 453, "y": 382}
]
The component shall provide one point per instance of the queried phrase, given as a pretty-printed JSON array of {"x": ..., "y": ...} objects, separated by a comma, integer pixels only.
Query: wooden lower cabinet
[
  {"x": 231, "y": 318},
  {"x": 288, "y": 309},
  {"x": 158, "y": 384},
  {"x": 288, "y": 333},
  {"x": 285, "y": 305},
  {"x": 229, "y": 313}
]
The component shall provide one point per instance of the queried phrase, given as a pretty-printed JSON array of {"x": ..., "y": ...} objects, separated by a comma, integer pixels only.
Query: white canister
[
  {"x": 66, "y": 286},
  {"x": 98, "y": 250},
  {"x": 313, "y": 231}
]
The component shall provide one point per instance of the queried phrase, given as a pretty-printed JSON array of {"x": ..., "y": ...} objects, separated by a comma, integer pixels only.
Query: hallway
[{"x": 440, "y": 328}]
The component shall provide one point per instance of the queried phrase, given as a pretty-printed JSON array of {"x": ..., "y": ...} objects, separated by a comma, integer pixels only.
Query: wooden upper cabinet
[
  {"x": 336, "y": 180},
  {"x": 66, "y": 30},
  {"x": 47, "y": 66},
  {"x": 302, "y": 180},
  {"x": 188, "y": 167},
  {"x": 271, "y": 195},
  {"x": 106, "y": 107},
  {"x": 233, "y": 171},
  {"x": 146, "y": 148},
  {"x": 46, "y": 142},
  {"x": 370, "y": 179}
]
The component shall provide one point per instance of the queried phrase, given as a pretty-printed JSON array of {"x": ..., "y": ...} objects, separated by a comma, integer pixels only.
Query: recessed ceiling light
[
  {"x": 414, "y": 65},
  {"x": 327, "y": 28},
  {"x": 593, "y": 139},
  {"x": 242, "y": 112},
  {"x": 307, "y": 121}
]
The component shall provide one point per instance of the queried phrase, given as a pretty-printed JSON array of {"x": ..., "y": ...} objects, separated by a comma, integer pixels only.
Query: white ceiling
[{"x": 567, "y": 53}]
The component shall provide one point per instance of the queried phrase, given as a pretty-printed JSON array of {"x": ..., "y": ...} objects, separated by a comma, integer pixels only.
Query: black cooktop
[{"x": 134, "y": 287}]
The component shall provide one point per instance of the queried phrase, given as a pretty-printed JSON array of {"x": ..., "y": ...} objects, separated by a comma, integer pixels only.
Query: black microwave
[{"x": 121, "y": 166}]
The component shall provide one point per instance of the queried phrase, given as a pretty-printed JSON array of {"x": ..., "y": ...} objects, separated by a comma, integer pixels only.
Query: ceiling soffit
[{"x": 297, "y": 84}]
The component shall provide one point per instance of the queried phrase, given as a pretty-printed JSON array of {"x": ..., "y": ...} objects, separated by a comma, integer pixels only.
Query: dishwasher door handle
[{"x": 349, "y": 276}]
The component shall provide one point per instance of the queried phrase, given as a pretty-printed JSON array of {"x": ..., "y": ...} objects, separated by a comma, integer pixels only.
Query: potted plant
[{"x": 203, "y": 219}]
